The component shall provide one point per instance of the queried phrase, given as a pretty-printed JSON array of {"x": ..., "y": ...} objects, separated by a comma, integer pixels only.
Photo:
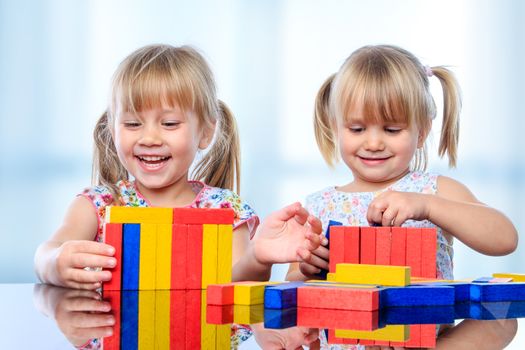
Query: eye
[
  {"x": 393, "y": 129},
  {"x": 171, "y": 123},
  {"x": 132, "y": 124},
  {"x": 356, "y": 129}
]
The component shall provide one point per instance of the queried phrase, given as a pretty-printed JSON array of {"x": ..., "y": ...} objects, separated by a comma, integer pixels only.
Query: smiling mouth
[{"x": 152, "y": 161}]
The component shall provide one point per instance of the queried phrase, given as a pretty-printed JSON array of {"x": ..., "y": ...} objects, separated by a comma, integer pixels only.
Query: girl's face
[
  {"x": 377, "y": 153},
  {"x": 157, "y": 146}
]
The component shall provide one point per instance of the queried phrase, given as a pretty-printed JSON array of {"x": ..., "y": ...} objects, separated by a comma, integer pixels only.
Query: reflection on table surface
[{"x": 61, "y": 317}]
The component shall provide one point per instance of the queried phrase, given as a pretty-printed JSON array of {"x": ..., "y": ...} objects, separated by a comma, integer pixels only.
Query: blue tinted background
[{"x": 270, "y": 57}]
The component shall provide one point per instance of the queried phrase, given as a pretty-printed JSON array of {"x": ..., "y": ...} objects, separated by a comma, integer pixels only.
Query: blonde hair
[
  {"x": 157, "y": 74},
  {"x": 391, "y": 85}
]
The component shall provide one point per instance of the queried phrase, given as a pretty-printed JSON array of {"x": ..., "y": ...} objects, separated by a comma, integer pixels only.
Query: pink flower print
[{"x": 347, "y": 207}]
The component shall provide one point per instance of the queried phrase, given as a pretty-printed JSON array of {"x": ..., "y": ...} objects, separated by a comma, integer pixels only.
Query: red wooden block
[
  {"x": 352, "y": 245},
  {"x": 428, "y": 336},
  {"x": 332, "y": 339},
  {"x": 428, "y": 252},
  {"x": 368, "y": 245},
  {"x": 383, "y": 245},
  {"x": 398, "y": 251},
  {"x": 337, "y": 319},
  {"x": 337, "y": 246},
  {"x": 381, "y": 342},
  {"x": 113, "y": 237},
  {"x": 179, "y": 251},
  {"x": 199, "y": 216},
  {"x": 113, "y": 342},
  {"x": 339, "y": 298},
  {"x": 219, "y": 314},
  {"x": 193, "y": 319},
  {"x": 366, "y": 342},
  {"x": 177, "y": 319},
  {"x": 194, "y": 257},
  {"x": 413, "y": 258},
  {"x": 414, "y": 339},
  {"x": 220, "y": 294}
]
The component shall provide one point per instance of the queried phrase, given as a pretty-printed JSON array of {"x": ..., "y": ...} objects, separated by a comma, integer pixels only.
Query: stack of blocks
[{"x": 166, "y": 258}]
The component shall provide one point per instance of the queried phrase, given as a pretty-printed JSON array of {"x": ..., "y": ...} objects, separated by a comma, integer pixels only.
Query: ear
[
  {"x": 207, "y": 136},
  {"x": 422, "y": 137}
]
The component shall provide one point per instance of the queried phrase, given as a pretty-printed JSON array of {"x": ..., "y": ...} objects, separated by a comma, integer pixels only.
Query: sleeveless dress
[
  {"x": 205, "y": 197},
  {"x": 350, "y": 209}
]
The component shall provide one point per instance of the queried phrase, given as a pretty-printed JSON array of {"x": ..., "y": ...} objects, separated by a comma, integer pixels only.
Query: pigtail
[
  {"x": 220, "y": 167},
  {"x": 324, "y": 134},
  {"x": 448, "y": 142},
  {"x": 107, "y": 169}
]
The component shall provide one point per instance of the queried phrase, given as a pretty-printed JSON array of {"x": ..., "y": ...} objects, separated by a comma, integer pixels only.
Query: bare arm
[
  {"x": 61, "y": 259},
  {"x": 474, "y": 334}
]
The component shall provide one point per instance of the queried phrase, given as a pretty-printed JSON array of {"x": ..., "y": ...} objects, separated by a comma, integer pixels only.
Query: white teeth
[{"x": 152, "y": 158}]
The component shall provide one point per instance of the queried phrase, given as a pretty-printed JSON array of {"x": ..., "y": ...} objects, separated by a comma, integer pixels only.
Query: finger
[
  {"x": 316, "y": 345},
  {"x": 290, "y": 211},
  {"x": 316, "y": 225},
  {"x": 94, "y": 333},
  {"x": 90, "y": 247},
  {"x": 374, "y": 215},
  {"x": 388, "y": 217},
  {"x": 91, "y": 320},
  {"x": 84, "y": 294},
  {"x": 91, "y": 260},
  {"x": 83, "y": 276},
  {"x": 316, "y": 261},
  {"x": 308, "y": 270},
  {"x": 322, "y": 252},
  {"x": 312, "y": 241},
  {"x": 85, "y": 304}
]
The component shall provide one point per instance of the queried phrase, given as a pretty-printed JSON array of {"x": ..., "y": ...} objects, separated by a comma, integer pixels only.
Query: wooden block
[
  {"x": 280, "y": 318},
  {"x": 428, "y": 252},
  {"x": 323, "y": 273},
  {"x": 249, "y": 293},
  {"x": 428, "y": 336},
  {"x": 129, "y": 322},
  {"x": 248, "y": 314},
  {"x": 337, "y": 319},
  {"x": 138, "y": 215},
  {"x": 414, "y": 338},
  {"x": 193, "y": 319},
  {"x": 224, "y": 253},
  {"x": 209, "y": 255},
  {"x": 178, "y": 319},
  {"x": 352, "y": 245},
  {"x": 368, "y": 245},
  {"x": 390, "y": 333},
  {"x": 398, "y": 251},
  {"x": 113, "y": 342},
  {"x": 113, "y": 237},
  {"x": 516, "y": 277},
  {"x": 383, "y": 245},
  {"x": 496, "y": 310},
  {"x": 208, "y": 331},
  {"x": 417, "y": 296},
  {"x": 331, "y": 277},
  {"x": 418, "y": 315},
  {"x": 131, "y": 257},
  {"x": 146, "y": 319},
  {"x": 179, "y": 255},
  {"x": 461, "y": 289},
  {"x": 339, "y": 298},
  {"x": 148, "y": 256},
  {"x": 337, "y": 246},
  {"x": 200, "y": 216},
  {"x": 224, "y": 336},
  {"x": 219, "y": 314},
  {"x": 373, "y": 274},
  {"x": 163, "y": 254},
  {"x": 332, "y": 339},
  {"x": 162, "y": 318},
  {"x": 281, "y": 296},
  {"x": 194, "y": 257},
  {"x": 220, "y": 294},
  {"x": 413, "y": 248},
  {"x": 490, "y": 292}
]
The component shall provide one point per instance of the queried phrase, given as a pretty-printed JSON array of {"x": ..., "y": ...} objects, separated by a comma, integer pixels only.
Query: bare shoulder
[{"x": 455, "y": 190}]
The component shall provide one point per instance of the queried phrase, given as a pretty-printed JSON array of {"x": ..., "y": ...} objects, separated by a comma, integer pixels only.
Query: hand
[
  {"x": 393, "y": 208},
  {"x": 318, "y": 260},
  {"x": 287, "y": 235},
  {"x": 80, "y": 315},
  {"x": 71, "y": 259},
  {"x": 288, "y": 338}
]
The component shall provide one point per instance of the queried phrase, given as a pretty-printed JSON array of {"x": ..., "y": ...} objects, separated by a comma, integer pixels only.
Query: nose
[
  {"x": 150, "y": 136},
  {"x": 374, "y": 140}
]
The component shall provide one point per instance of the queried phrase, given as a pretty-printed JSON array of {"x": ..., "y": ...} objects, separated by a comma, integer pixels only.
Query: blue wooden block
[
  {"x": 491, "y": 292},
  {"x": 497, "y": 310},
  {"x": 416, "y": 296},
  {"x": 483, "y": 280},
  {"x": 440, "y": 314},
  {"x": 281, "y": 296},
  {"x": 280, "y": 318},
  {"x": 461, "y": 289},
  {"x": 462, "y": 310},
  {"x": 130, "y": 256},
  {"x": 129, "y": 331},
  {"x": 323, "y": 273}
]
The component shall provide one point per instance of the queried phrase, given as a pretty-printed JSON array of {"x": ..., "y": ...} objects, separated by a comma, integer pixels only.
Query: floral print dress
[
  {"x": 350, "y": 209},
  {"x": 205, "y": 197}
]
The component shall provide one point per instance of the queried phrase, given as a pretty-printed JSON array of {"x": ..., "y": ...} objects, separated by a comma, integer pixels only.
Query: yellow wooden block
[
  {"x": 146, "y": 320},
  {"x": 330, "y": 276},
  {"x": 208, "y": 331},
  {"x": 397, "y": 333},
  {"x": 148, "y": 261},
  {"x": 224, "y": 336},
  {"x": 139, "y": 215},
  {"x": 516, "y": 277},
  {"x": 249, "y": 293},
  {"x": 224, "y": 253},
  {"x": 163, "y": 269},
  {"x": 209, "y": 255},
  {"x": 248, "y": 314},
  {"x": 162, "y": 319},
  {"x": 373, "y": 274}
]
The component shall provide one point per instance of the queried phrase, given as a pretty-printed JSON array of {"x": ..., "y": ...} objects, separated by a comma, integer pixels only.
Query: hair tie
[{"x": 428, "y": 71}]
